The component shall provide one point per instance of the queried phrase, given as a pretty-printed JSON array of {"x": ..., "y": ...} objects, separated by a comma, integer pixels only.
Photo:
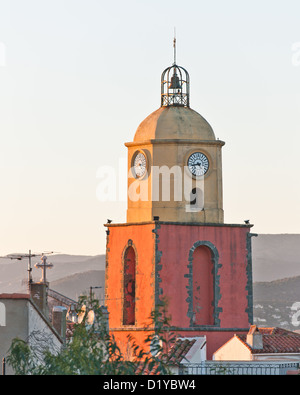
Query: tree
[{"x": 91, "y": 350}]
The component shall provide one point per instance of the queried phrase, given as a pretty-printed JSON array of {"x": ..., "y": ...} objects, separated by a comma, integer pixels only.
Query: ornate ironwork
[{"x": 175, "y": 85}]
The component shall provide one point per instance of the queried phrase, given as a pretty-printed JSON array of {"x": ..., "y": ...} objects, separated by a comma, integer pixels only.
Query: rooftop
[
  {"x": 275, "y": 340},
  {"x": 14, "y": 296}
]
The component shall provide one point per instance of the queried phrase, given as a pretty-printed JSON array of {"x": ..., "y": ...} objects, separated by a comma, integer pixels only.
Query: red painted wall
[
  {"x": 175, "y": 242},
  {"x": 203, "y": 286}
]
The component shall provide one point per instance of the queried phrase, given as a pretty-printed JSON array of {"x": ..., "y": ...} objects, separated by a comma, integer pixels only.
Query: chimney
[
  {"x": 39, "y": 290},
  {"x": 255, "y": 338},
  {"x": 59, "y": 321},
  {"x": 39, "y": 294}
]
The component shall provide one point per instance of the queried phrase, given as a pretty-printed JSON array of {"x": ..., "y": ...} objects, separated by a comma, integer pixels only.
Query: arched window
[
  {"x": 129, "y": 286},
  {"x": 2, "y": 314},
  {"x": 203, "y": 286}
]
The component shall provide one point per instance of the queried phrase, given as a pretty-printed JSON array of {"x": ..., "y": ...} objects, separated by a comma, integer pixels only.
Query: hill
[
  {"x": 275, "y": 256},
  {"x": 276, "y": 303},
  {"x": 14, "y": 275},
  {"x": 79, "y": 283}
]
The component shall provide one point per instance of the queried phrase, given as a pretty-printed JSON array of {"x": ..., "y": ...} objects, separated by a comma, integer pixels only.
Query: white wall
[
  {"x": 292, "y": 357},
  {"x": 233, "y": 350},
  {"x": 40, "y": 333},
  {"x": 2, "y": 314}
]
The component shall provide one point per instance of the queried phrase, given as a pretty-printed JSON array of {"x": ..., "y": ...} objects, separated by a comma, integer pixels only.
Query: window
[
  {"x": 129, "y": 286},
  {"x": 2, "y": 314},
  {"x": 203, "y": 286}
]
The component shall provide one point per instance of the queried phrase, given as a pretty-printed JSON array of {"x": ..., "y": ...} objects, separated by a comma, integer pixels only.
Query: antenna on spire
[
  {"x": 174, "y": 45},
  {"x": 175, "y": 84}
]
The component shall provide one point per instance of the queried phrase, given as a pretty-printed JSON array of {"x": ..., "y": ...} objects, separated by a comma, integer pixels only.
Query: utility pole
[
  {"x": 91, "y": 292},
  {"x": 20, "y": 257}
]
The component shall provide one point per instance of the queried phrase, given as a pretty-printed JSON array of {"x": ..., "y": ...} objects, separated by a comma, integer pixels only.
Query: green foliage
[
  {"x": 21, "y": 357},
  {"x": 91, "y": 350}
]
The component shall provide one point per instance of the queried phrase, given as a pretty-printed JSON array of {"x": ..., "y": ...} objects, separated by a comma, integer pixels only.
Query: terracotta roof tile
[
  {"x": 179, "y": 350},
  {"x": 276, "y": 340},
  {"x": 174, "y": 356}
]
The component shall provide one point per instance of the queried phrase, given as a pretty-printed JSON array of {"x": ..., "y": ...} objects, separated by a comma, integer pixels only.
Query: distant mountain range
[
  {"x": 277, "y": 303},
  {"x": 275, "y": 256},
  {"x": 79, "y": 283},
  {"x": 14, "y": 274},
  {"x": 276, "y": 277}
]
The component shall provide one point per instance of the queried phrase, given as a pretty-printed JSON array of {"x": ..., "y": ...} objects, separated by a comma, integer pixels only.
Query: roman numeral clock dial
[{"x": 198, "y": 164}]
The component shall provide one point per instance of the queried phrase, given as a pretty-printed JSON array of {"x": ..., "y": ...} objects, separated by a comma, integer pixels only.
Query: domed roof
[{"x": 174, "y": 122}]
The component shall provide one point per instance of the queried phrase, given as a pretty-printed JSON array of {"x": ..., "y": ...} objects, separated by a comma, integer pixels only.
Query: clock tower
[
  {"x": 174, "y": 161},
  {"x": 175, "y": 245}
]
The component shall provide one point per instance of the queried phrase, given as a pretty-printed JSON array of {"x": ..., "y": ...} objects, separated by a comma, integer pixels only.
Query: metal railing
[{"x": 238, "y": 368}]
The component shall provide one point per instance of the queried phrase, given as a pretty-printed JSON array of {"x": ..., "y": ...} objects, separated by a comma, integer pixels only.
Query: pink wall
[
  {"x": 175, "y": 242},
  {"x": 203, "y": 286}
]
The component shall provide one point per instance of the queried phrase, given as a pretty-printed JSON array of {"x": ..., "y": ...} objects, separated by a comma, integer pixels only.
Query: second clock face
[
  {"x": 140, "y": 164},
  {"x": 198, "y": 164}
]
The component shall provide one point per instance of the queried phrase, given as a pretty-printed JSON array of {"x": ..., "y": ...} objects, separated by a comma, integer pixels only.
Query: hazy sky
[{"x": 77, "y": 77}]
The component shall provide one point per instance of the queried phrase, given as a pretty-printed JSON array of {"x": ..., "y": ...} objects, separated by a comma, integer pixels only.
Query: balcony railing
[{"x": 238, "y": 368}]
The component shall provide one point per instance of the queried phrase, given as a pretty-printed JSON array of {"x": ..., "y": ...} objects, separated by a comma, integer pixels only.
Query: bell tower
[
  {"x": 175, "y": 245},
  {"x": 175, "y": 161}
]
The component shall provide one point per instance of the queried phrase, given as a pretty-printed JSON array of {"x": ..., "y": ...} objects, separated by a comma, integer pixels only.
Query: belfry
[{"x": 175, "y": 245}]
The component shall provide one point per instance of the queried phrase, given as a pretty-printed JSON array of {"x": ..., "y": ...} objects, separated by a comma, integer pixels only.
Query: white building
[
  {"x": 21, "y": 318},
  {"x": 261, "y": 344}
]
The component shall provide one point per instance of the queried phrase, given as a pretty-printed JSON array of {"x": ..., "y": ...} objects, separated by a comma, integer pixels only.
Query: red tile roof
[
  {"x": 174, "y": 356},
  {"x": 275, "y": 340},
  {"x": 179, "y": 350},
  {"x": 14, "y": 296}
]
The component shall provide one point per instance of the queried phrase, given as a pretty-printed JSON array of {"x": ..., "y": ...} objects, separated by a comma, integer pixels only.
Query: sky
[{"x": 77, "y": 78}]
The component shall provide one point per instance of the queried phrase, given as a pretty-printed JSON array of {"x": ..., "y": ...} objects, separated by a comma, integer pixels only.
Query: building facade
[
  {"x": 22, "y": 318},
  {"x": 175, "y": 247},
  {"x": 261, "y": 344}
]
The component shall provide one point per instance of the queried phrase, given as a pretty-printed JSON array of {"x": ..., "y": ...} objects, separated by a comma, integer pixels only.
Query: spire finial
[
  {"x": 175, "y": 84},
  {"x": 174, "y": 45}
]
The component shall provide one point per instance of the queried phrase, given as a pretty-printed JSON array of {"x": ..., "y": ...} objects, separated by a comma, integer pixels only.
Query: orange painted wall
[{"x": 144, "y": 244}]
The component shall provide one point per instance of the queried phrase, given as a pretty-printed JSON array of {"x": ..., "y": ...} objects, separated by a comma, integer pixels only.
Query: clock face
[
  {"x": 198, "y": 164},
  {"x": 140, "y": 165}
]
